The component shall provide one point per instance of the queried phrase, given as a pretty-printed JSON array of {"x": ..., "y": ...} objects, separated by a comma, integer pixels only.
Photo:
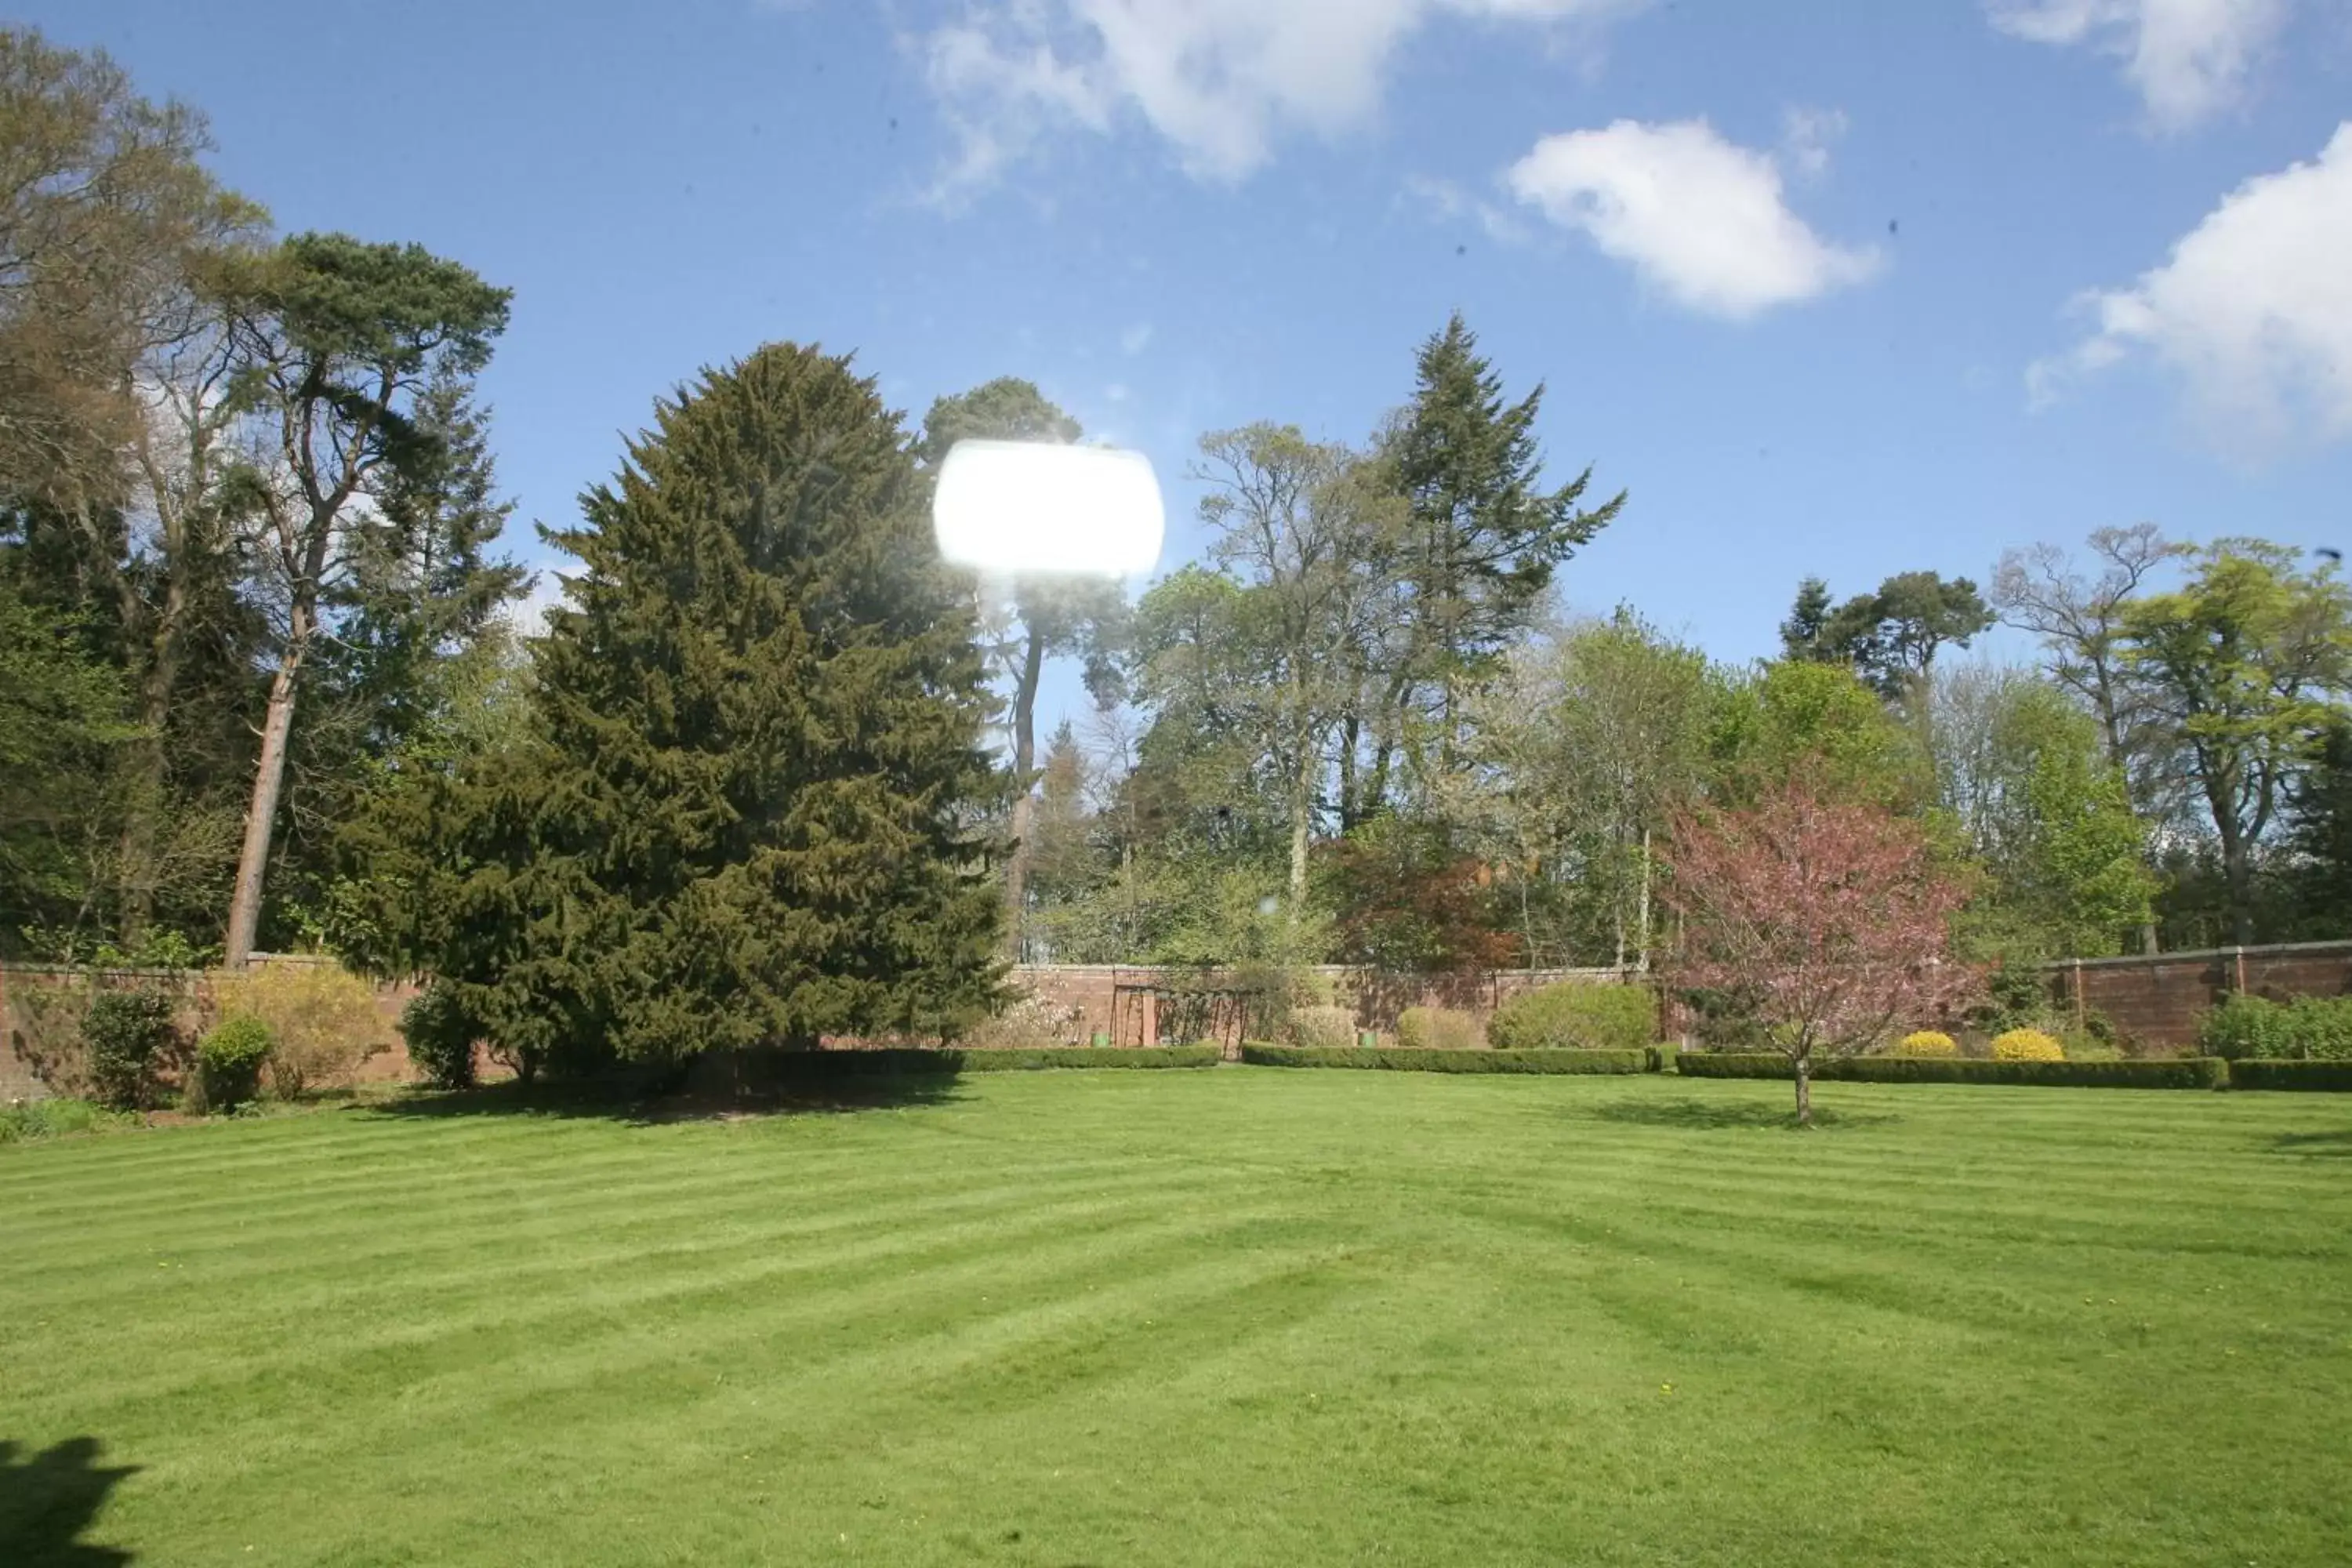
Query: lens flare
[{"x": 1033, "y": 506}]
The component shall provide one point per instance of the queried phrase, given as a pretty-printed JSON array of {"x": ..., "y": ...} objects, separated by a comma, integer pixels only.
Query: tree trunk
[
  {"x": 261, "y": 815},
  {"x": 1302, "y": 803},
  {"x": 1642, "y": 948},
  {"x": 2237, "y": 871},
  {"x": 1805, "y": 1090},
  {"x": 1024, "y": 806}
]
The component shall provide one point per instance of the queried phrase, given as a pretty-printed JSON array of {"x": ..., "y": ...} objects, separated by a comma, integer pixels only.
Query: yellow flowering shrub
[
  {"x": 2027, "y": 1046},
  {"x": 1926, "y": 1043}
]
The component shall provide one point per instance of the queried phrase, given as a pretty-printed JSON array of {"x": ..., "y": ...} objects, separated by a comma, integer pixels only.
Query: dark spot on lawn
[{"x": 1715, "y": 1115}]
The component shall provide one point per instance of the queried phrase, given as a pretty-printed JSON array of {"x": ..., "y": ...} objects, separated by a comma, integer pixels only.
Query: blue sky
[{"x": 1840, "y": 290}]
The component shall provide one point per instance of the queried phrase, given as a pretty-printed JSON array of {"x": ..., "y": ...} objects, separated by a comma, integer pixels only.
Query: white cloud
[
  {"x": 1447, "y": 202},
  {"x": 2190, "y": 58},
  {"x": 1808, "y": 134},
  {"x": 1218, "y": 79},
  {"x": 1699, "y": 217},
  {"x": 2252, "y": 309}
]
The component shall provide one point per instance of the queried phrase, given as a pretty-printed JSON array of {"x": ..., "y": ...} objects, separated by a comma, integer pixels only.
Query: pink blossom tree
[{"x": 1828, "y": 923}]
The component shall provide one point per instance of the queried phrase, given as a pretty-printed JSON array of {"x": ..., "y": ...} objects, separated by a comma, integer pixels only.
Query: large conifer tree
[{"x": 741, "y": 817}]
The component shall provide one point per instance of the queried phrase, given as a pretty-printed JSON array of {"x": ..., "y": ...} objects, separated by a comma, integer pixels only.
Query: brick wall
[{"x": 2158, "y": 1000}]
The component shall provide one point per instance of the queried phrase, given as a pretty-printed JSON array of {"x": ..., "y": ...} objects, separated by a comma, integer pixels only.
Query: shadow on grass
[
  {"x": 2334, "y": 1145},
  {"x": 1714, "y": 1115},
  {"x": 49, "y": 1499},
  {"x": 640, "y": 1106}
]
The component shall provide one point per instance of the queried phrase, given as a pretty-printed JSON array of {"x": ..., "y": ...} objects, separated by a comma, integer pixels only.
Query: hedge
[
  {"x": 2183, "y": 1072},
  {"x": 1403, "y": 1060},
  {"x": 2329, "y": 1076},
  {"x": 920, "y": 1059},
  {"x": 1576, "y": 1016}
]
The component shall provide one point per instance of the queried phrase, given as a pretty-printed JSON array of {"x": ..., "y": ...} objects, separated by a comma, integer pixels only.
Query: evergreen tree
[
  {"x": 741, "y": 818},
  {"x": 1486, "y": 536}
]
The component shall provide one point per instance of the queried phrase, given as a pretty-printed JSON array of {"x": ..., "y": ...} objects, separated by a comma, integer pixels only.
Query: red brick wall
[{"x": 2158, "y": 1000}]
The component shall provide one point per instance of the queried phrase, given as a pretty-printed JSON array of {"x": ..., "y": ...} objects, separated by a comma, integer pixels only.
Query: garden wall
[{"x": 2157, "y": 999}]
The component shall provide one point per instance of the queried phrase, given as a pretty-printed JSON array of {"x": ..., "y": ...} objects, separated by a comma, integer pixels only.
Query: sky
[{"x": 1826, "y": 288}]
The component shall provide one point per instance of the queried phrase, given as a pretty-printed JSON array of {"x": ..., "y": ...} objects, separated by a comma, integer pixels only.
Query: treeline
[
  {"x": 247, "y": 509},
  {"x": 774, "y": 772}
]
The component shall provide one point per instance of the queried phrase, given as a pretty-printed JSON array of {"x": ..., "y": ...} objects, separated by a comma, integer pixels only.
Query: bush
[
  {"x": 2331, "y": 1077},
  {"x": 1576, "y": 1017},
  {"x": 124, "y": 1033},
  {"x": 2309, "y": 1028},
  {"x": 1322, "y": 1027},
  {"x": 1439, "y": 1029},
  {"x": 2027, "y": 1046},
  {"x": 325, "y": 1019},
  {"x": 51, "y": 1119},
  {"x": 228, "y": 1061},
  {"x": 1415, "y": 1060},
  {"x": 2180, "y": 1072},
  {"x": 1926, "y": 1043},
  {"x": 440, "y": 1032}
]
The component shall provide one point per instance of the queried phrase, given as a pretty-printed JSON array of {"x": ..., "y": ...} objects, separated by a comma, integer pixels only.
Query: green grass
[{"x": 1215, "y": 1317}]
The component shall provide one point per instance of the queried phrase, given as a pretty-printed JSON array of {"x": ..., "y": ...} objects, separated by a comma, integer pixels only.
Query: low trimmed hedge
[
  {"x": 1405, "y": 1059},
  {"x": 2330, "y": 1077},
  {"x": 922, "y": 1059},
  {"x": 2182, "y": 1073}
]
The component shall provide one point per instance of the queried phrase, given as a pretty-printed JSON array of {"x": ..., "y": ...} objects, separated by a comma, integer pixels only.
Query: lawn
[{"x": 1222, "y": 1316}]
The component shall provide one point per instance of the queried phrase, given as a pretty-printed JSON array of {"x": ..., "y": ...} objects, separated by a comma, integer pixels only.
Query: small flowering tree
[{"x": 1829, "y": 923}]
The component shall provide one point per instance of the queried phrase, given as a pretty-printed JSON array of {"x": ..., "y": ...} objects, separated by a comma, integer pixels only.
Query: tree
[
  {"x": 2320, "y": 814},
  {"x": 743, "y": 816},
  {"x": 1051, "y": 614},
  {"x": 2023, "y": 776},
  {"x": 1829, "y": 923},
  {"x": 1484, "y": 542},
  {"x": 1889, "y": 638},
  {"x": 1581, "y": 750},
  {"x": 1797, "y": 719},
  {"x": 2242, "y": 665},
  {"x": 61, "y": 713},
  {"x": 343, "y": 337}
]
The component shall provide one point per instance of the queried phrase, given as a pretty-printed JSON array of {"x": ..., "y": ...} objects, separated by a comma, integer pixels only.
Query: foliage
[
  {"x": 1830, "y": 924},
  {"x": 1439, "y": 1029},
  {"x": 1323, "y": 1027},
  {"x": 1890, "y": 637},
  {"x": 1027, "y": 1020},
  {"x": 229, "y": 1060},
  {"x": 820, "y": 1065},
  {"x": 63, "y": 716},
  {"x": 2027, "y": 1046},
  {"x": 1926, "y": 1043},
  {"x": 1447, "y": 1058},
  {"x": 743, "y": 811},
  {"x": 1576, "y": 1016},
  {"x": 2244, "y": 664},
  {"x": 324, "y": 1018},
  {"x": 1411, "y": 902},
  {"x": 1815, "y": 720},
  {"x": 2308, "y": 1028},
  {"x": 2175, "y": 1072},
  {"x": 441, "y": 1036},
  {"x": 126, "y": 1031},
  {"x": 23, "y": 1121},
  {"x": 2319, "y": 1077}
]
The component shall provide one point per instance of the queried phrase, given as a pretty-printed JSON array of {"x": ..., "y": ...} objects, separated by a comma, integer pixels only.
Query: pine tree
[{"x": 742, "y": 819}]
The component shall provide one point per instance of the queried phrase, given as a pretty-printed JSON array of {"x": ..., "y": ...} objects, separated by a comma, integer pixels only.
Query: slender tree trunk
[
  {"x": 1024, "y": 806},
  {"x": 1642, "y": 927},
  {"x": 1302, "y": 805},
  {"x": 1805, "y": 1088},
  {"x": 261, "y": 815},
  {"x": 141, "y": 822}
]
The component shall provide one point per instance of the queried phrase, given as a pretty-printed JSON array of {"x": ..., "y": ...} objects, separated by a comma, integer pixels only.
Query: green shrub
[
  {"x": 1576, "y": 1017},
  {"x": 228, "y": 1061},
  {"x": 2180, "y": 1072},
  {"x": 2243, "y": 1027},
  {"x": 1439, "y": 1029},
  {"x": 1415, "y": 1060},
  {"x": 2332, "y": 1077},
  {"x": 1321, "y": 1026},
  {"x": 52, "y": 1118},
  {"x": 440, "y": 1032},
  {"x": 2309, "y": 1028},
  {"x": 125, "y": 1031}
]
